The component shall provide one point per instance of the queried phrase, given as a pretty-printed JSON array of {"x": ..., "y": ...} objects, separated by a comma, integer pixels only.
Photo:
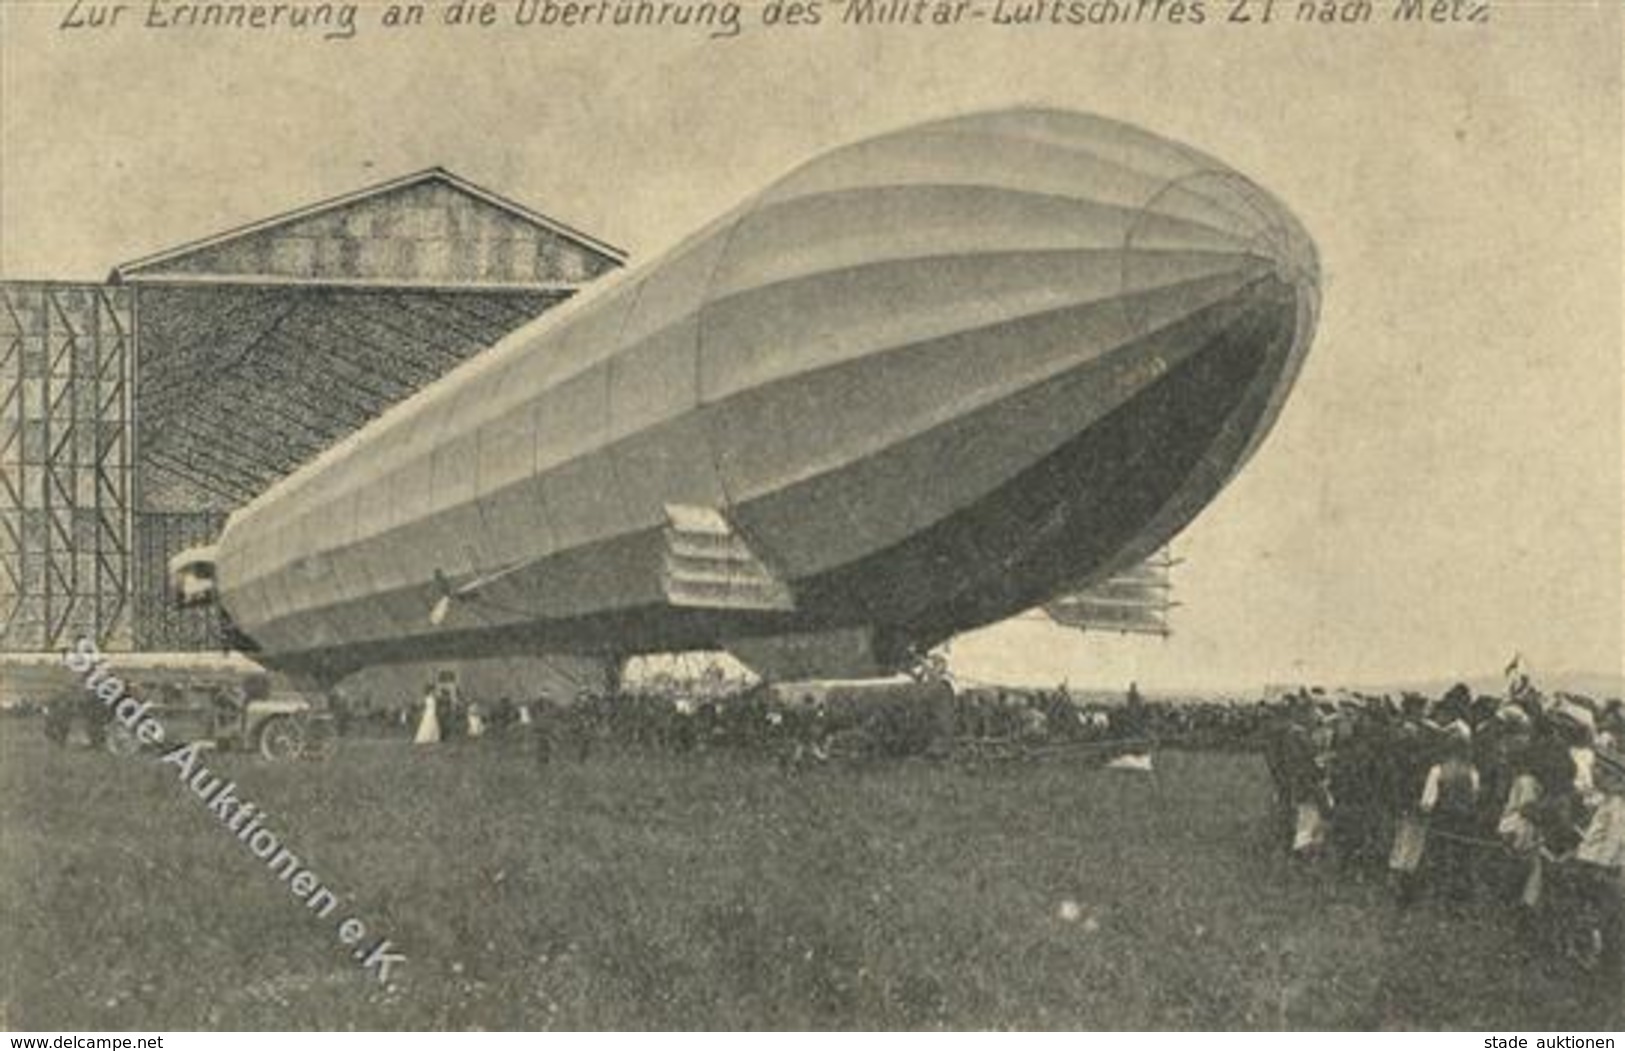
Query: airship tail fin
[{"x": 710, "y": 566}]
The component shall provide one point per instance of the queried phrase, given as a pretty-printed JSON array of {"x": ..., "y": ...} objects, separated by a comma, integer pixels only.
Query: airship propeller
[{"x": 467, "y": 591}]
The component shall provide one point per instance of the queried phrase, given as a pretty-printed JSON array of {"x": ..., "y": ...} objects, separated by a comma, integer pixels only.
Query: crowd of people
[
  {"x": 677, "y": 722},
  {"x": 1515, "y": 800},
  {"x": 896, "y": 720}
]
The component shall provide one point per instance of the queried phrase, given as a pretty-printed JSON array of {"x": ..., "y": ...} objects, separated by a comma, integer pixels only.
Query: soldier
[
  {"x": 684, "y": 733},
  {"x": 1306, "y": 786},
  {"x": 1450, "y": 803},
  {"x": 583, "y": 716},
  {"x": 98, "y": 717},
  {"x": 503, "y": 716},
  {"x": 1601, "y": 855},
  {"x": 1357, "y": 819},
  {"x": 536, "y": 722},
  {"x": 1408, "y": 771},
  {"x": 58, "y": 719},
  {"x": 452, "y": 713}
]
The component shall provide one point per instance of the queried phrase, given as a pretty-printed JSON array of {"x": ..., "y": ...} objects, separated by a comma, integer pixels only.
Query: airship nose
[
  {"x": 1271, "y": 232},
  {"x": 1239, "y": 351},
  {"x": 1271, "y": 300},
  {"x": 1224, "y": 215}
]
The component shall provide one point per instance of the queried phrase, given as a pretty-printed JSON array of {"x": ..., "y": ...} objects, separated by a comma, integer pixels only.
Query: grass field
[{"x": 718, "y": 892}]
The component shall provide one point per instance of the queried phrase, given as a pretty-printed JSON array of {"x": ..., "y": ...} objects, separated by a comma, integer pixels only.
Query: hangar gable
[{"x": 428, "y": 230}]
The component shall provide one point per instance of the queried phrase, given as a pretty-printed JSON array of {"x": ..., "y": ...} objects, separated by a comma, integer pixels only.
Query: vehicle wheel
[
  {"x": 321, "y": 739},
  {"x": 281, "y": 739},
  {"x": 121, "y": 741}
]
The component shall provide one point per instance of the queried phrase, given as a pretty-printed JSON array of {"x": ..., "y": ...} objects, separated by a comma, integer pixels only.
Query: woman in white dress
[{"x": 429, "y": 722}]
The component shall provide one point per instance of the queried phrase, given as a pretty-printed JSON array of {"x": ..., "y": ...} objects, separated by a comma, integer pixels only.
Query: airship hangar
[{"x": 137, "y": 413}]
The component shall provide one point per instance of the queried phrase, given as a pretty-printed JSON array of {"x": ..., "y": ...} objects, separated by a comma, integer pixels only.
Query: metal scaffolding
[{"x": 66, "y": 367}]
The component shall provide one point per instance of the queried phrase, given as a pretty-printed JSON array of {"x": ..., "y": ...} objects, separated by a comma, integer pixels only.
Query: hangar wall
[{"x": 66, "y": 356}]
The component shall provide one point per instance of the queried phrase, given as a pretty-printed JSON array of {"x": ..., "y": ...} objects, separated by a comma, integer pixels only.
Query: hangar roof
[{"x": 428, "y": 230}]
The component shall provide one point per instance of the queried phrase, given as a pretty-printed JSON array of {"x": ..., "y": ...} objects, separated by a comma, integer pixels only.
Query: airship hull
[{"x": 920, "y": 384}]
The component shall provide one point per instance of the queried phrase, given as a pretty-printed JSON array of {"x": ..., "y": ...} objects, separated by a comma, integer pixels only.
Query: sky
[{"x": 1445, "y": 486}]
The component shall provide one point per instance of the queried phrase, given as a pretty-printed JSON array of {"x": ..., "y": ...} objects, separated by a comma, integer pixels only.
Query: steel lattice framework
[{"x": 66, "y": 367}]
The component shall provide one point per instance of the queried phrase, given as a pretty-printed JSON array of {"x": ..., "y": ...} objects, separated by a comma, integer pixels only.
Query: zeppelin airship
[{"x": 922, "y": 383}]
